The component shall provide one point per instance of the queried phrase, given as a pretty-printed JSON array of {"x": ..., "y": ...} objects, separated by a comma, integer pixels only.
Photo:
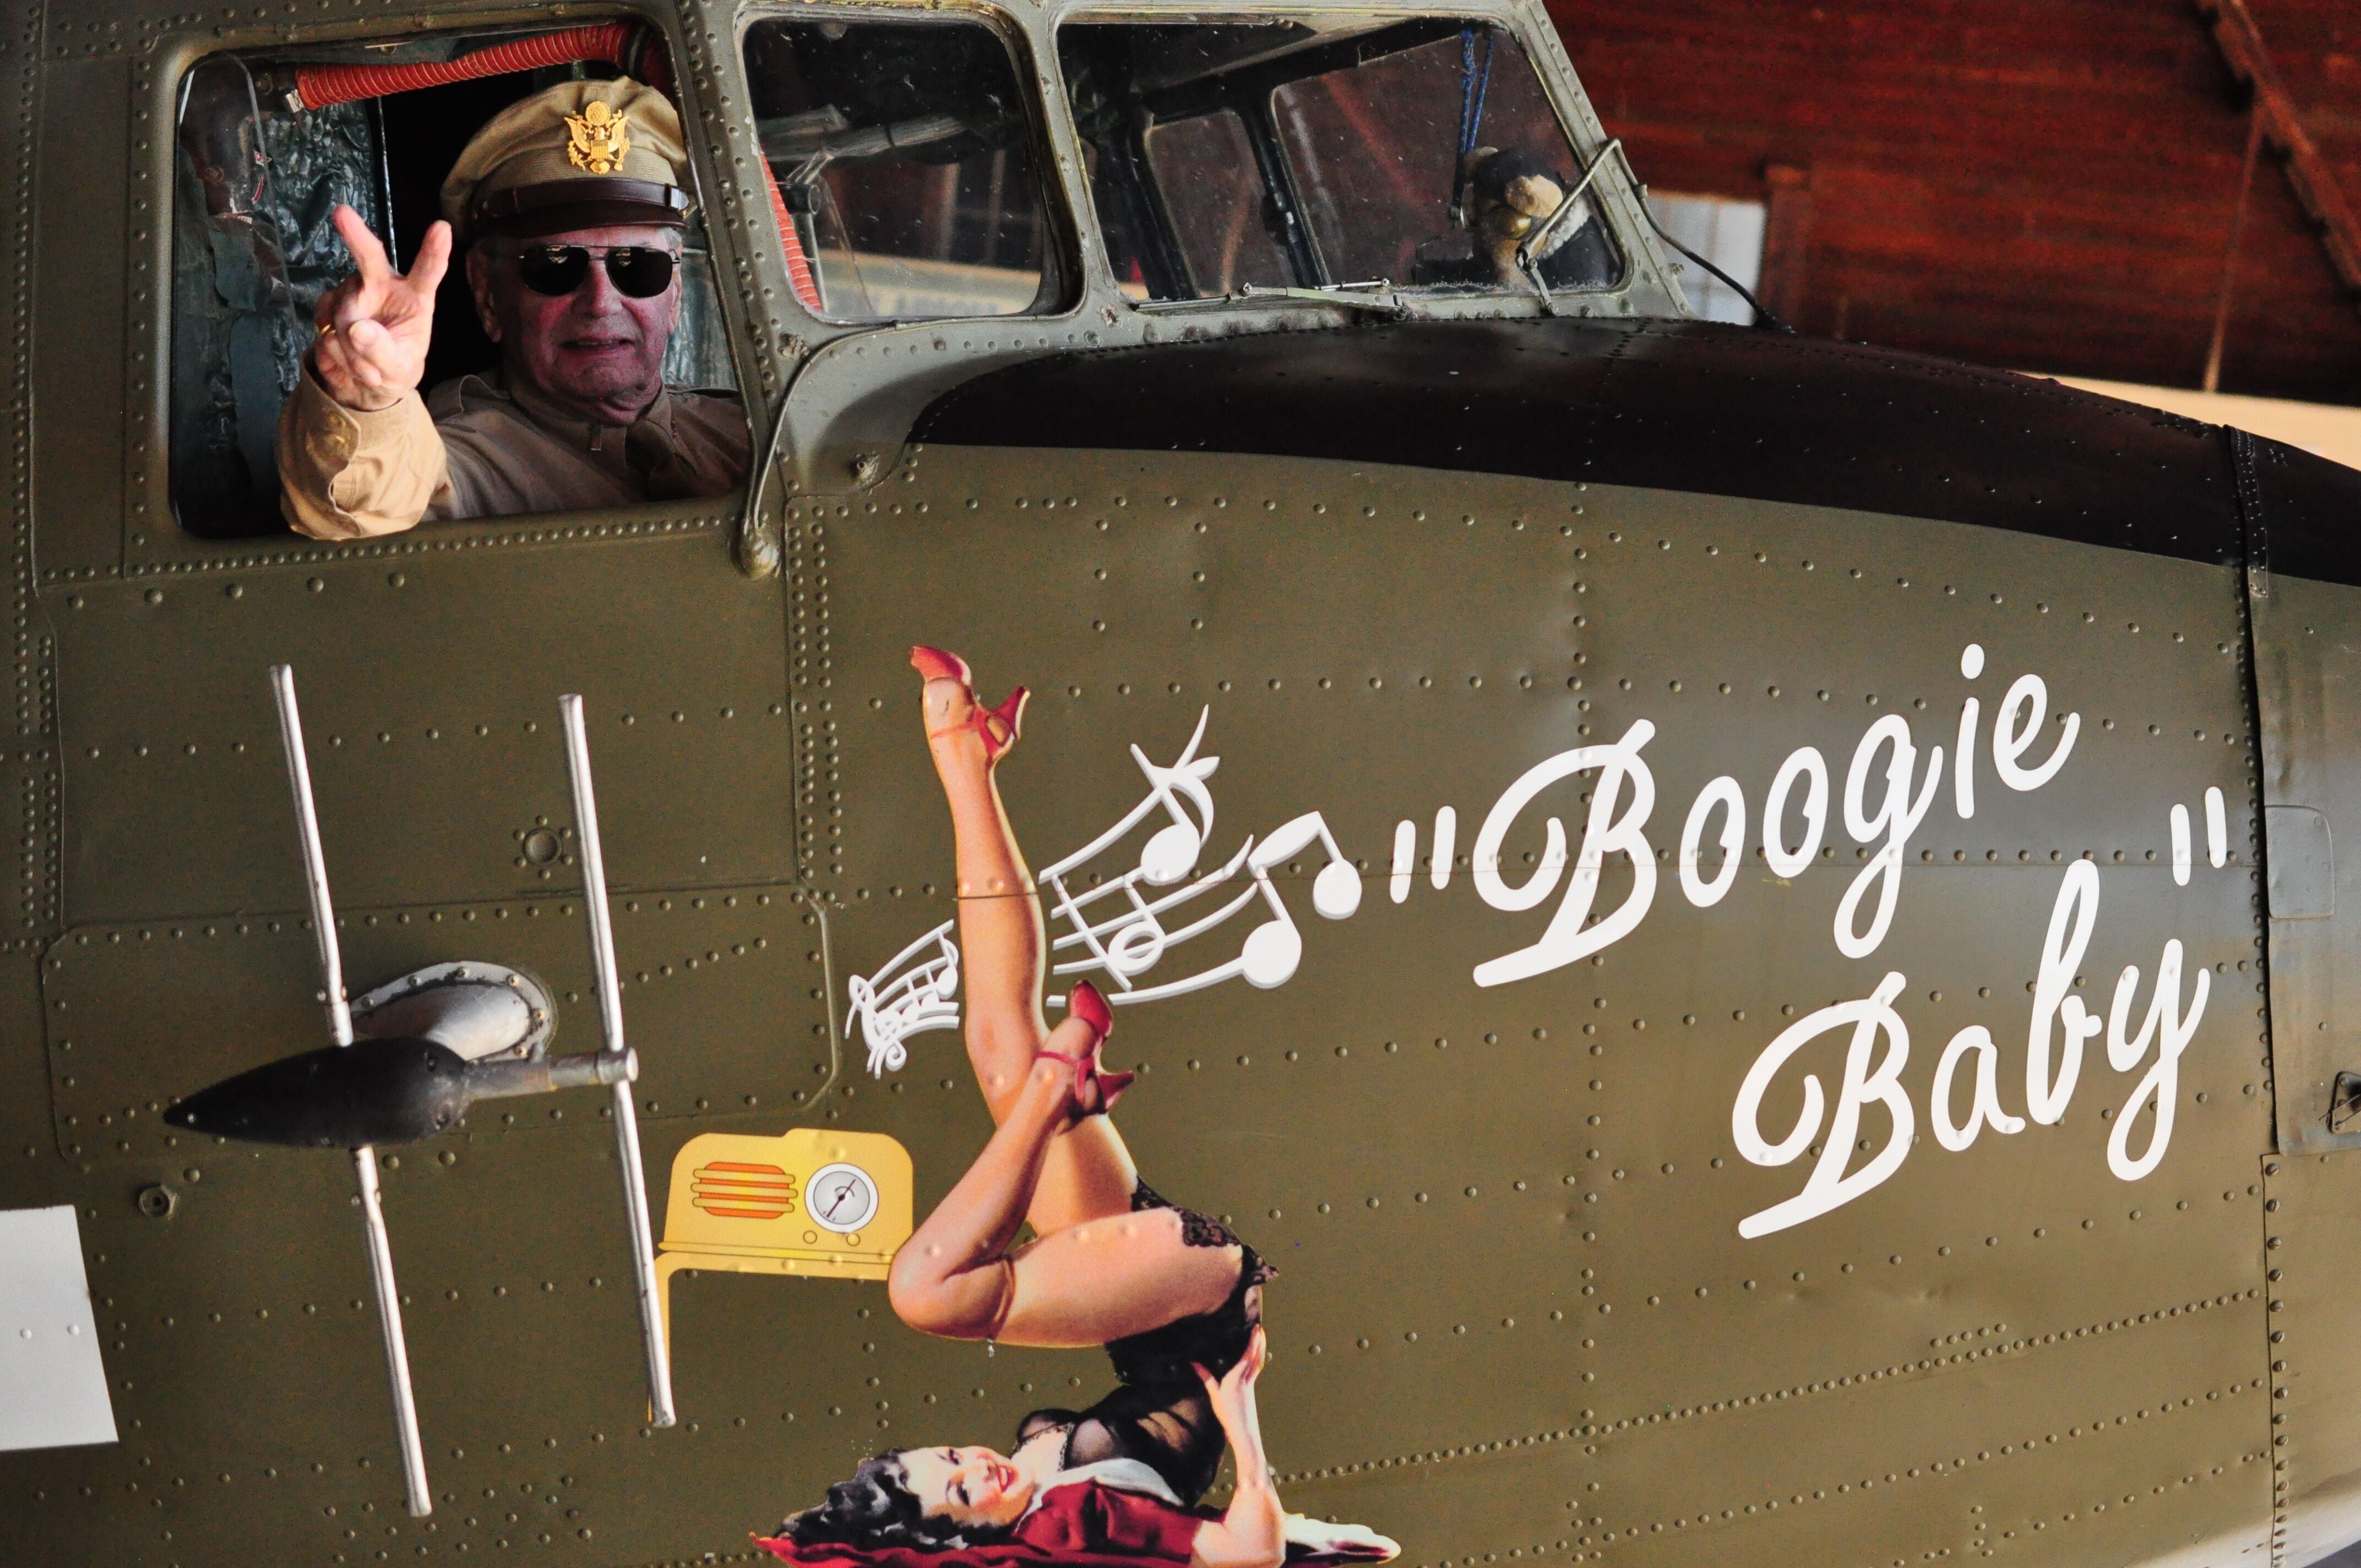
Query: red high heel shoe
[
  {"x": 1094, "y": 1090},
  {"x": 935, "y": 665}
]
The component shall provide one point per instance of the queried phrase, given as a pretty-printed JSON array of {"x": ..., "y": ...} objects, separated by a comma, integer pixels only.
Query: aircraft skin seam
[
  {"x": 1936, "y": 368},
  {"x": 42, "y": 897},
  {"x": 2090, "y": 1516},
  {"x": 2254, "y": 549},
  {"x": 2254, "y": 527},
  {"x": 1133, "y": 406},
  {"x": 803, "y": 579},
  {"x": 1719, "y": 1407},
  {"x": 1932, "y": 1470},
  {"x": 2274, "y": 1356},
  {"x": 1936, "y": 1470},
  {"x": 476, "y": 536},
  {"x": 1930, "y": 1363},
  {"x": 276, "y": 921}
]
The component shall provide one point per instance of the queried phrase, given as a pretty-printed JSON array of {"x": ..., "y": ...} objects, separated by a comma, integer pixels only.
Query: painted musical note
[
  {"x": 1337, "y": 890},
  {"x": 1274, "y": 949},
  {"x": 1120, "y": 930},
  {"x": 1114, "y": 946},
  {"x": 1172, "y": 851},
  {"x": 892, "y": 1008}
]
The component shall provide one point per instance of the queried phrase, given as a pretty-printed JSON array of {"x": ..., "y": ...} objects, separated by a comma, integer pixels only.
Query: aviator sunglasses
[{"x": 638, "y": 271}]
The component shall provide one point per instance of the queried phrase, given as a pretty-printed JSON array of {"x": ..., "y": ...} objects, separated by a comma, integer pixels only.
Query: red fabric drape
[{"x": 1080, "y": 1526}]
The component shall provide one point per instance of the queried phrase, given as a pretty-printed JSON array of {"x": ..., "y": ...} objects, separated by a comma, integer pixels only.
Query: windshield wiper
[
  {"x": 828, "y": 132},
  {"x": 1371, "y": 294}
]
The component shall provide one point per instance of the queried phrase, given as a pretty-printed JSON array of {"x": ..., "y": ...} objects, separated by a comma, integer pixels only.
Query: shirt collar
[{"x": 569, "y": 427}]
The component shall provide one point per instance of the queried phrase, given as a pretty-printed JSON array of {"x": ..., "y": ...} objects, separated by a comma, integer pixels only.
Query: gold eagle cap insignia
[{"x": 598, "y": 139}]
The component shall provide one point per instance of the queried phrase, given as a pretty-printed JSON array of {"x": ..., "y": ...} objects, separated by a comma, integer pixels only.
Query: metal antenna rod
[
  {"x": 315, "y": 859},
  {"x": 611, "y": 1023},
  {"x": 340, "y": 1024}
]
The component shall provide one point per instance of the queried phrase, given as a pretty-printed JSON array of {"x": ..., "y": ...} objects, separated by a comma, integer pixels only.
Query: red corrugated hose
[
  {"x": 799, "y": 268},
  {"x": 321, "y": 85}
]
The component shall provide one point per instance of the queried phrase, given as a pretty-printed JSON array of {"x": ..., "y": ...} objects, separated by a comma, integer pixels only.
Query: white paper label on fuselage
[{"x": 52, "y": 1383}]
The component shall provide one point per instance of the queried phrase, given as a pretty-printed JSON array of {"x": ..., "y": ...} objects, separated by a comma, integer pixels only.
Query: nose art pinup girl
[{"x": 1174, "y": 1296}]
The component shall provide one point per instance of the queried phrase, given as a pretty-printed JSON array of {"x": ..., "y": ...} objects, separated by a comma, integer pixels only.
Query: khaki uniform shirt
[{"x": 474, "y": 448}]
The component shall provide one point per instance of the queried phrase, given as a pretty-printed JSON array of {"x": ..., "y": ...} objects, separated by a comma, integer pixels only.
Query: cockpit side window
[
  {"x": 247, "y": 270},
  {"x": 1327, "y": 151},
  {"x": 271, "y": 143},
  {"x": 901, "y": 158}
]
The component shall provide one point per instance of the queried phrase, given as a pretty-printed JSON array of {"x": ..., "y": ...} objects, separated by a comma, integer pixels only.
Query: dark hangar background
[{"x": 2044, "y": 184}]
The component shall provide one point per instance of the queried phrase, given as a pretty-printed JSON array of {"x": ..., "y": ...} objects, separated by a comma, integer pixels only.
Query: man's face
[{"x": 597, "y": 350}]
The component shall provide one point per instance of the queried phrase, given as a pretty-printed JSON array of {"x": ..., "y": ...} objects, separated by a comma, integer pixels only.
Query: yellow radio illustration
[{"x": 830, "y": 1204}]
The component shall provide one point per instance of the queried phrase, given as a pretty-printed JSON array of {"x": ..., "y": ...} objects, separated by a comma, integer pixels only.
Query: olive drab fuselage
[{"x": 1723, "y": 1125}]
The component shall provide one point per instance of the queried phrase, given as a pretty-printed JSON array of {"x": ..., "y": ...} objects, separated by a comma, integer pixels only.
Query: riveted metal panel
[
  {"x": 1684, "y": 405},
  {"x": 701, "y": 970},
  {"x": 28, "y": 771},
  {"x": 2308, "y": 681},
  {"x": 1516, "y": 1239},
  {"x": 1851, "y": 1469},
  {"x": 78, "y": 344},
  {"x": 430, "y": 683},
  {"x": 2302, "y": 861},
  {"x": 2306, "y": 624},
  {"x": 250, "y": 1393},
  {"x": 1515, "y": 1316},
  {"x": 2315, "y": 1390}
]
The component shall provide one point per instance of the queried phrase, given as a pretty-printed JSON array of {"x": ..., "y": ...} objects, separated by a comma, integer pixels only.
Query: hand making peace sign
[{"x": 375, "y": 325}]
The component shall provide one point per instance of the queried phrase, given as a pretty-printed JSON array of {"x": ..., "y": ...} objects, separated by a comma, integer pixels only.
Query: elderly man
[{"x": 571, "y": 207}]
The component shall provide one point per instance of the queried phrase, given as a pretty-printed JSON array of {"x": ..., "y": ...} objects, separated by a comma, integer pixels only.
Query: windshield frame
[
  {"x": 1613, "y": 198},
  {"x": 1066, "y": 283},
  {"x": 841, "y": 397}
]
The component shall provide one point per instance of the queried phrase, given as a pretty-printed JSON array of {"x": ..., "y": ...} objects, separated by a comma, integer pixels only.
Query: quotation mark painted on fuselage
[
  {"x": 2217, "y": 837},
  {"x": 1446, "y": 834}
]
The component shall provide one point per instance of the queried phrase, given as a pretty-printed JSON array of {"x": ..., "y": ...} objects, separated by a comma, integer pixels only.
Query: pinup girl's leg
[
  {"x": 1087, "y": 1172},
  {"x": 1083, "y": 1285},
  {"x": 1098, "y": 1271}
]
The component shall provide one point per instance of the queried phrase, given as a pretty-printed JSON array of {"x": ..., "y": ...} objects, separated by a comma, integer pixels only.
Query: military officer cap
[{"x": 578, "y": 155}]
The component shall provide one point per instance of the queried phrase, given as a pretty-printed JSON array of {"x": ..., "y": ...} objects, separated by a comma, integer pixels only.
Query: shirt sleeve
[{"x": 354, "y": 474}]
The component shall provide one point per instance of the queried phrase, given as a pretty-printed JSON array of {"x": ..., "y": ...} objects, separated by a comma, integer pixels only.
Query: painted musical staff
[
  {"x": 1118, "y": 931},
  {"x": 912, "y": 1002}
]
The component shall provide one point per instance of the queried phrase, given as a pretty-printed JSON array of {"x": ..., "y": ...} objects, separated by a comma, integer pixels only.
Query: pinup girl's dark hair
[{"x": 876, "y": 1508}]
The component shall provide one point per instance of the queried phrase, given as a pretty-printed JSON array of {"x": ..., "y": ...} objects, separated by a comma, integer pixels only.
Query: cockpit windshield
[
  {"x": 900, "y": 156},
  {"x": 1328, "y": 152}
]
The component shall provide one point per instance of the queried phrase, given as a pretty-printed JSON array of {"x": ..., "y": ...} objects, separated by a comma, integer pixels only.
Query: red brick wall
[{"x": 2039, "y": 183}]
